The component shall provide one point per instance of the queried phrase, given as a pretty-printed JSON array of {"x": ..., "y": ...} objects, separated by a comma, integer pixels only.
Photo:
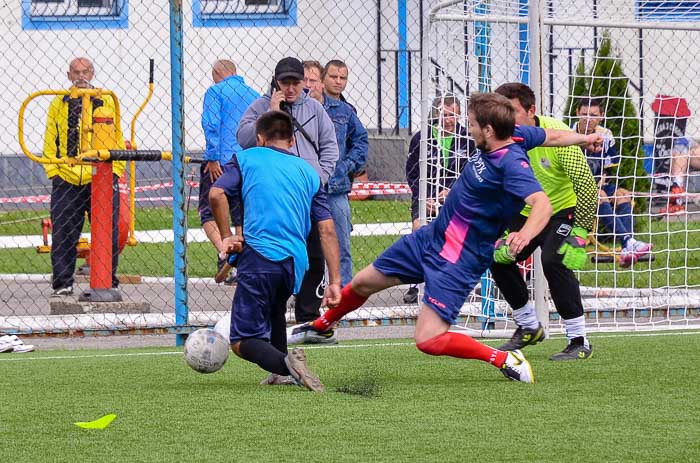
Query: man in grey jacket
[{"x": 315, "y": 143}]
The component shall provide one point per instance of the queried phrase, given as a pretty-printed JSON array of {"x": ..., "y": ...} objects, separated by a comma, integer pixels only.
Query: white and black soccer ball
[{"x": 206, "y": 351}]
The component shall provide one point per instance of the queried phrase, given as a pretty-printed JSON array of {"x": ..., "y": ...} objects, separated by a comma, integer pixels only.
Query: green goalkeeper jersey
[{"x": 565, "y": 177}]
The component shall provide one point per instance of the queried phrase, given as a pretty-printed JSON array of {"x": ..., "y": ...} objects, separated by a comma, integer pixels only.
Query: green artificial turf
[{"x": 635, "y": 400}]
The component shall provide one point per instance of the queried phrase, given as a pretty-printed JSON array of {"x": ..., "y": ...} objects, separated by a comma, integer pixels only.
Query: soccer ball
[{"x": 206, "y": 351}]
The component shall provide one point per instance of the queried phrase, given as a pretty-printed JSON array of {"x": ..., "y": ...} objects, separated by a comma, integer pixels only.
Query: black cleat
[
  {"x": 524, "y": 337},
  {"x": 576, "y": 350},
  {"x": 305, "y": 333}
]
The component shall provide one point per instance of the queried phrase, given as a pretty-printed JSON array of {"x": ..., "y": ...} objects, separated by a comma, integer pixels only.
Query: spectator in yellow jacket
[{"x": 71, "y": 184}]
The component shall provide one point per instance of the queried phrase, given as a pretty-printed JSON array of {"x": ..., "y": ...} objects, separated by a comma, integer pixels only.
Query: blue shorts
[
  {"x": 447, "y": 285},
  {"x": 260, "y": 303},
  {"x": 609, "y": 189},
  {"x": 203, "y": 207}
]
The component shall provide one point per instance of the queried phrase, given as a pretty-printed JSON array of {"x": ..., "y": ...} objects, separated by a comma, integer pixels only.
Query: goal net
[{"x": 633, "y": 59}]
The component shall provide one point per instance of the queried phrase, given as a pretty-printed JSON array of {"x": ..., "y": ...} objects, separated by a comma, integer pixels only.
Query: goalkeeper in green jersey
[{"x": 567, "y": 180}]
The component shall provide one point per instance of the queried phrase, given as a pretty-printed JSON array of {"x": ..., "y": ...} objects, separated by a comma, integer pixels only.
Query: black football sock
[{"x": 263, "y": 354}]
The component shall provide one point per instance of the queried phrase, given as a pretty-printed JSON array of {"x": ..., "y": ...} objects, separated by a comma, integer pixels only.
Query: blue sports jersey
[
  {"x": 281, "y": 195},
  {"x": 490, "y": 190}
]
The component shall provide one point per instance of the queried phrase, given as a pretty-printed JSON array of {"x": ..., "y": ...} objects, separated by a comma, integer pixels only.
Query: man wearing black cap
[{"x": 315, "y": 143}]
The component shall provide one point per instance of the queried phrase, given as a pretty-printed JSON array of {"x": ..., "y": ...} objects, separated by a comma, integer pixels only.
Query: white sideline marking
[
  {"x": 21, "y": 357},
  {"x": 198, "y": 235}
]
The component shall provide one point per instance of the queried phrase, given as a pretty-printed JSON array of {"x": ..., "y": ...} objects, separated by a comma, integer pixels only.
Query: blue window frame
[
  {"x": 667, "y": 11},
  {"x": 74, "y": 14},
  {"x": 244, "y": 13}
]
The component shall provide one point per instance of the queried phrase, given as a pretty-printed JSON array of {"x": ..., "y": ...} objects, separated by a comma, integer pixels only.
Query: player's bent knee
[
  {"x": 433, "y": 346},
  {"x": 370, "y": 280},
  {"x": 236, "y": 348}
]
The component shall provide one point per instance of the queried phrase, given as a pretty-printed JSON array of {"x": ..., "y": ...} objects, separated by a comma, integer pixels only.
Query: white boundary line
[{"x": 22, "y": 357}]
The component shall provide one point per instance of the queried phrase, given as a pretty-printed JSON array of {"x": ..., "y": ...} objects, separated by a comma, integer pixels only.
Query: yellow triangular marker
[{"x": 97, "y": 424}]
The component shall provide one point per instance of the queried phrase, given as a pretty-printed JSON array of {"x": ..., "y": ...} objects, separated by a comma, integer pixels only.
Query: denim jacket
[{"x": 353, "y": 144}]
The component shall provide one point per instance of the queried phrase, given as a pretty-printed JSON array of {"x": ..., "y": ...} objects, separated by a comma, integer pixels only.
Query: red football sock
[
  {"x": 462, "y": 346},
  {"x": 349, "y": 301}
]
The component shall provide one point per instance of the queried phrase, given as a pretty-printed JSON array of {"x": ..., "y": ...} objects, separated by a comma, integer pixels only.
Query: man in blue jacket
[
  {"x": 224, "y": 105},
  {"x": 353, "y": 147},
  {"x": 315, "y": 143}
]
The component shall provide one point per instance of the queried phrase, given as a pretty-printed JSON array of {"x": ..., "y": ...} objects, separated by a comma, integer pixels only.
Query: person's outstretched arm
[{"x": 535, "y": 223}]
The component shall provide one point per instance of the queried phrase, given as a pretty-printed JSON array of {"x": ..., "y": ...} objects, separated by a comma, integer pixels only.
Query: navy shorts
[
  {"x": 447, "y": 284},
  {"x": 609, "y": 189},
  {"x": 261, "y": 295},
  {"x": 204, "y": 209}
]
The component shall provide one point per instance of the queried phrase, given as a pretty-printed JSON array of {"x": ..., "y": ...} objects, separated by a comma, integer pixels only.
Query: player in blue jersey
[
  {"x": 452, "y": 252},
  {"x": 280, "y": 196}
]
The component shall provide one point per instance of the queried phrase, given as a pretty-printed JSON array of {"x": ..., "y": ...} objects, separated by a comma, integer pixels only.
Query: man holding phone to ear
[{"x": 316, "y": 144}]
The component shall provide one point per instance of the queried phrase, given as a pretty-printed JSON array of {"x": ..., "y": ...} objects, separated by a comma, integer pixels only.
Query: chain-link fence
[
  {"x": 379, "y": 42},
  {"x": 472, "y": 46}
]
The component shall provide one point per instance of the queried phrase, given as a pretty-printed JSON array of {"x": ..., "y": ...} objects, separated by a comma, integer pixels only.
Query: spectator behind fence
[
  {"x": 685, "y": 158},
  {"x": 614, "y": 204},
  {"x": 71, "y": 184},
  {"x": 315, "y": 143},
  {"x": 353, "y": 147},
  {"x": 335, "y": 79},
  {"x": 224, "y": 105},
  {"x": 449, "y": 148}
]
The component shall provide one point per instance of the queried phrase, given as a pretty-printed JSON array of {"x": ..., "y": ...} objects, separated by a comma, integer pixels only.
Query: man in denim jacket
[{"x": 352, "y": 147}]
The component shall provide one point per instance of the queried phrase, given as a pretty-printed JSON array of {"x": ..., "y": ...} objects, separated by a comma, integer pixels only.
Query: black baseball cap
[{"x": 289, "y": 68}]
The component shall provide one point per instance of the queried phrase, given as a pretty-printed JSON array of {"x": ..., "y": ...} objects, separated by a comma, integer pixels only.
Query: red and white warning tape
[{"x": 358, "y": 190}]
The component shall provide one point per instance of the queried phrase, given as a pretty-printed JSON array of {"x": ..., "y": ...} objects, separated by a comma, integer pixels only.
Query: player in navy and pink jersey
[{"x": 452, "y": 252}]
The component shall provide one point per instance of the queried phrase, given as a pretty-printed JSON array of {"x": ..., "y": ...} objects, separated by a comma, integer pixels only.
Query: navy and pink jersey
[{"x": 491, "y": 189}]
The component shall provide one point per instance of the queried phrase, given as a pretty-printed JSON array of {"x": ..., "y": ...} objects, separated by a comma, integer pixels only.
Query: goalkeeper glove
[
  {"x": 502, "y": 254},
  {"x": 574, "y": 249}
]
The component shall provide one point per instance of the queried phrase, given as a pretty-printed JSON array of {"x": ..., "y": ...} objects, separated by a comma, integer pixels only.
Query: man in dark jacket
[{"x": 449, "y": 147}]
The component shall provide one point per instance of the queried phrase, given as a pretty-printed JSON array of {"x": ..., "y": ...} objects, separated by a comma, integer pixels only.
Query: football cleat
[
  {"x": 517, "y": 368},
  {"x": 524, "y": 337},
  {"x": 296, "y": 363},
  {"x": 575, "y": 350},
  {"x": 305, "y": 333},
  {"x": 279, "y": 380}
]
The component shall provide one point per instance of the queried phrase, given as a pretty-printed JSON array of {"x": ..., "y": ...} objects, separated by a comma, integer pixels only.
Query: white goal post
[{"x": 562, "y": 51}]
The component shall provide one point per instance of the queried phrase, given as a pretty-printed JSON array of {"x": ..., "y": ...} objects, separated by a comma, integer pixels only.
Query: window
[
  {"x": 74, "y": 14},
  {"x": 244, "y": 13},
  {"x": 668, "y": 11}
]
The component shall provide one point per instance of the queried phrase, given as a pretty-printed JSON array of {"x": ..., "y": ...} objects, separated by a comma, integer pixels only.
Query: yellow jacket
[{"x": 56, "y": 143}]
